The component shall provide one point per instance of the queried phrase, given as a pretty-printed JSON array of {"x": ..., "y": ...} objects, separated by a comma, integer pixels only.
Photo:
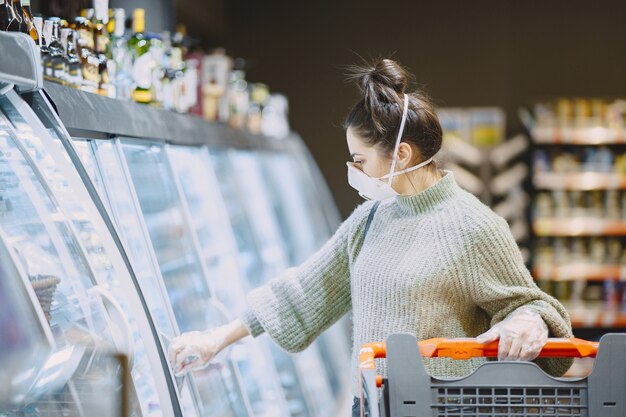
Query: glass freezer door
[
  {"x": 210, "y": 223},
  {"x": 110, "y": 283},
  {"x": 301, "y": 231},
  {"x": 40, "y": 234},
  {"x": 258, "y": 238},
  {"x": 180, "y": 266},
  {"x": 106, "y": 171},
  {"x": 25, "y": 338}
]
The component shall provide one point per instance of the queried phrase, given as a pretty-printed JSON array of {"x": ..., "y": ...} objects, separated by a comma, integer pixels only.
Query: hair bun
[
  {"x": 383, "y": 83},
  {"x": 389, "y": 74}
]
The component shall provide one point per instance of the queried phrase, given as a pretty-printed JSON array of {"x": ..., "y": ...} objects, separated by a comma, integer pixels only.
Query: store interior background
[{"x": 491, "y": 53}]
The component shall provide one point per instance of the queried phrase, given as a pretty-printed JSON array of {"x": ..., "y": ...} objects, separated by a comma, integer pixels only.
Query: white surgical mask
[{"x": 375, "y": 188}]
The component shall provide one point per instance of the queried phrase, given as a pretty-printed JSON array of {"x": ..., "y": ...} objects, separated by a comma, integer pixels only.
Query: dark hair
[{"x": 376, "y": 117}]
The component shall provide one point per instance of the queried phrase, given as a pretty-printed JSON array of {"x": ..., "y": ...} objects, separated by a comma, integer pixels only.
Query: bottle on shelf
[
  {"x": 38, "y": 23},
  {"x": 259, "y": 95},
  {"x": 57, "y": 63},
  {"x": 4, "y": 15},
  {"x": 85, "y": 48},
  {"x": 157, "y": 57},
  {"x": 10, "y": 15},
  {"x": 214, "y": 80},
  {"x": 45, "y": 50},
  {"x": 102, "y": 47},
  {"x": 238, "y": 97},
  {"x": 139, "y": 46},
  {"x": 121, "y": 56},
  {"x": 74, "y": 71},
  {"x": 28, "y": 25}
]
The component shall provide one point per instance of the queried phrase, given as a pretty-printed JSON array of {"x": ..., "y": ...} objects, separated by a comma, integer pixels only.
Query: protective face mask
[{"x": 375, "y": 188}]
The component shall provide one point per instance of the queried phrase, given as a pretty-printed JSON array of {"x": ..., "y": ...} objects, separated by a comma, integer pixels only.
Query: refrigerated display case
[
  {"x": 55, "y": 246},
  {"x": 202, "y": 202},
  {"x": 303, "y": 232},
  {"x": 263, "y": 248},
  {"x": 104, "y": 167},
  {"x": 175, "y": 245},
  {"x": 97, "y": 239}
]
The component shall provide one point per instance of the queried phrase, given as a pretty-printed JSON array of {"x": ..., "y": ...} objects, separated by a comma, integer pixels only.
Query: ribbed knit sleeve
[
  {"x": 504, "y": 284},
  {"x": 297, "y": 306}
]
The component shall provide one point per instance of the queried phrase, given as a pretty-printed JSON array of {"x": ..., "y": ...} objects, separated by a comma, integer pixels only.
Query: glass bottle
[
  {"x": 139, "y": 46},
  {"x": 238, "y": 99},
  {"x": 85, "y": 45},
  {"x": 74, "y": 71},
  {"x": 121, "y": 56},
  {"x": 27, "y": 21},
  {"x": 4, "y": 15},
  {"x": 101, "y": 43},
  {"x": 56, "y": 68},
  {"x": 13, "y": 18},
  {"x": 38, "y": 23},
  {"x": 45, "y": 49}
]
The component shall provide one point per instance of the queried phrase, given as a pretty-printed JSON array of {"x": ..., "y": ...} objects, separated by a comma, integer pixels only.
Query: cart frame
[{"x": 494, "y": 389}]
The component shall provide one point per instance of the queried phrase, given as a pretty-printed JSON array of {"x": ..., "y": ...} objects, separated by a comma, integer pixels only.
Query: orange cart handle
[{"x": 466, "y": 348}]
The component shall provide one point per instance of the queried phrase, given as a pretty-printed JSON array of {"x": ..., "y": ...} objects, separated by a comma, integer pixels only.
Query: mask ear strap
[{"x": 399, "y": 139}]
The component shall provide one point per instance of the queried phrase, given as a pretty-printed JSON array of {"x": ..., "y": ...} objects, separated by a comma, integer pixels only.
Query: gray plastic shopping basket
[{"x": 494, "y": 389}]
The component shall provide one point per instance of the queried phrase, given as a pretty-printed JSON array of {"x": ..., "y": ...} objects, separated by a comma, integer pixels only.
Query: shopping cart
[{"x": 495, "y": 389}]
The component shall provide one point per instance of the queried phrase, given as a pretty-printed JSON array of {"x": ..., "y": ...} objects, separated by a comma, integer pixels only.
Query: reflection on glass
[
  {"x": 259, "y": 241},
  {"x": 106, "y": 171},
  {"x": 219, "y": 251},
  {"x": 301, "y": 235},
  {"x": 180, "y": 268},
  {"x": 24, "y": 339},
  {"x": 38, "y": 232},
  {"x": 57, "y": 172}
]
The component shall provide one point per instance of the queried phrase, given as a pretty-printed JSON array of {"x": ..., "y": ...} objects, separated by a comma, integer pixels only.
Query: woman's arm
[
  {"x": 293, "y": 308},
  {"x": 502, "y": 284},
  {"x": 304, "y": 301}
]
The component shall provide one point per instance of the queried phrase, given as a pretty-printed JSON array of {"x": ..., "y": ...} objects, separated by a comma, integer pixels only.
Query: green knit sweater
[{"x": 438, "y": 263}]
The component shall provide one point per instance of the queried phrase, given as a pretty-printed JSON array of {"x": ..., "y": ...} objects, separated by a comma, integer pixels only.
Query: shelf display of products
[
  {"x": 578, "y": 214},
  {"x": 93, "y": 52}
]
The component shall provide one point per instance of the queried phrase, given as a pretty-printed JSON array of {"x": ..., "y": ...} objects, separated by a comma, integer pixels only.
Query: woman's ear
[{"x": 405, "y": 155}]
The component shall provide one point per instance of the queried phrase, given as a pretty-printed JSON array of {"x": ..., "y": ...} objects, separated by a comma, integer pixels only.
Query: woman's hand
[
  {"x": 194, "y": 350},
  {"x": 522, "y": 335}
]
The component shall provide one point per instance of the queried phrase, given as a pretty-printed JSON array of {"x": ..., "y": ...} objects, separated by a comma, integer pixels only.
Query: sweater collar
[{"x": 423, "y": 201}]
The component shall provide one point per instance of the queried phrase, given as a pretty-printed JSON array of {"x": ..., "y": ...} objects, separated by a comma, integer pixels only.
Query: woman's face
[{"x": 367, "y": 158}]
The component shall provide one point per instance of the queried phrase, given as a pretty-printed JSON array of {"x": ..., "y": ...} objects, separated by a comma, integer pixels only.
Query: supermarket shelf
[
  {"x": 584, "y": 181},
  {"x": 595, "y": 315},
  {"x": 597, "y": 135},
  {"x": 579, "y": 226},
  {"x": 77, "y": 110},
  {"x": 579, "y": 271}
]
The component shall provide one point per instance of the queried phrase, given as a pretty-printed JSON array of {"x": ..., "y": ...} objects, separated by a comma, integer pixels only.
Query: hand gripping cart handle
[{"x": 494, "y": 389}]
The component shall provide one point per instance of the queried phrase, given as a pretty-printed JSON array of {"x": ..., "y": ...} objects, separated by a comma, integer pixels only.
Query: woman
[{"x": 435, "y": 262}]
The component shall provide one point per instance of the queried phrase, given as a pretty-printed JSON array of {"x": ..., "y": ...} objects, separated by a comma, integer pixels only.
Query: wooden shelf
[
  {"x": 597, "y": 135},
  {"x": 584, "y": 181},
  {"x": 595, "y": 315},
  {"x": 579, "y": 271},
  {"x": 579, "y": 226}
]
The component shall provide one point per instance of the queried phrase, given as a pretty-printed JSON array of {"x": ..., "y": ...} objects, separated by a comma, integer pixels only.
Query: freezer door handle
[{"x": 116, "y": 314}]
